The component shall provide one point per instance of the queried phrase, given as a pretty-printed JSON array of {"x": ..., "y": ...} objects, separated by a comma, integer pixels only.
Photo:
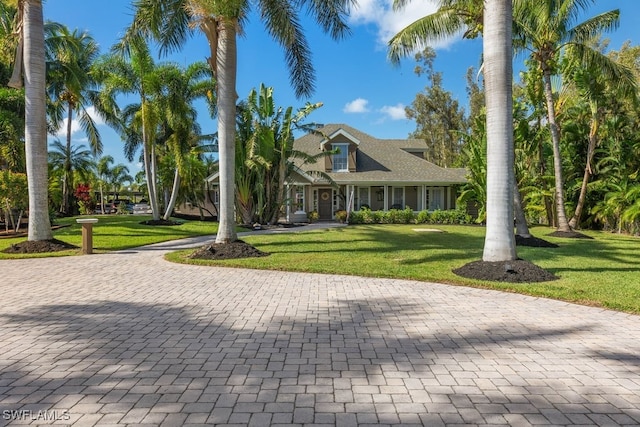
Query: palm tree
[
  {"x": 110, "y": 177},
  {"x": 192, "y": 189},
  {"x": 452, "y": 18},
  {"x": 546, "y": 28},
  {"x": 118, "y": 175},
  {"x": 71, "y": 89},
  {"x": 33, "y": 60},
  {"x": 265, "y": 155},
  {"x": 134, "y": 74},
  {"x": 172, "y": 21},
  {"x": 67, "y": 160},
  {"x": 499, "y": 242},
  {"x": 103, "y": 170},
  {"x": 592, "y": 88},
  {"x": 181, "y": 132}
]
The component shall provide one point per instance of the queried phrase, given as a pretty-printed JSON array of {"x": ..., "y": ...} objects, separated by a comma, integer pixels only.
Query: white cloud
[
  {"x": 358, "y": 105},
  {"x": 381, "y": 14},
  {"x": 394, "y": 112},
  {"x": 75, "y": 124}
]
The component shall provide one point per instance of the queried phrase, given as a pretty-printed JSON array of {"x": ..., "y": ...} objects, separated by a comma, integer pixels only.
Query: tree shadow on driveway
[{"x": 337, "y": 362}]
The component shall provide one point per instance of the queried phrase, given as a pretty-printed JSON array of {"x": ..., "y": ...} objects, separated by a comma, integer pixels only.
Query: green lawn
[
  {"x": 604, "y": 271},
  {"x": 116, "y": 232}
]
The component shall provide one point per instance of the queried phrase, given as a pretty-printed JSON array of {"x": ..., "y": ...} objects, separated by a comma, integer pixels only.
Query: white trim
[
  {"x": 336, "y": 133},
  {"x": 404, "y": 195},
  {"x": 344, "y": 151},
  {"x": 359, "y": 194}
]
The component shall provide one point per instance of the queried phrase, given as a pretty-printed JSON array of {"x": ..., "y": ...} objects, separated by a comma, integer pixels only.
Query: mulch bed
[
  {"x": 534, "y": 242},
  {"x": 23, "y": 232},
  {"x": 518, "y": 271},
  {"x": 39, "y": 247},
  {"x": 569, "y": 235},
  {"x": 233, "y": 250}
]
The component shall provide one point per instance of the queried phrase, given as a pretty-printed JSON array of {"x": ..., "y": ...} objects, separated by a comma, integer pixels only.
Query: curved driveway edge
[{"x": 130, "y": 339}]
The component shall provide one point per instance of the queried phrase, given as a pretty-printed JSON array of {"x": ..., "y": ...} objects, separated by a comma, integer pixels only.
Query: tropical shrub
[
  {"x": 397, "y": 216},
  {"x": 341, "y": 216},
  {"x": 407, "y": 216},
  {"x": 13, "y": 197},
  {"x": 380, "y": 217},
  {"x": 423, "y": 217},
  {"x": 313, "y": 216},
  {"x": 82, "y": 193}
]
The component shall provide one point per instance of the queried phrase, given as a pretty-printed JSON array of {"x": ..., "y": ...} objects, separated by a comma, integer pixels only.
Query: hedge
[{"x": 407, "y": 216}]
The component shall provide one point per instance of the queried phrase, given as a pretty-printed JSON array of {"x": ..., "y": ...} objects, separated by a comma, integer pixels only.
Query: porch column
[
  {"x": 287, "y": 193},
  {"x": 386, "y": 198},
  {"x": 351, "y": 197}
]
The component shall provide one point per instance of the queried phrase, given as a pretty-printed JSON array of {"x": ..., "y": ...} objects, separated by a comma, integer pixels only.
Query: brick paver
[{"x": 130, "y": 339}]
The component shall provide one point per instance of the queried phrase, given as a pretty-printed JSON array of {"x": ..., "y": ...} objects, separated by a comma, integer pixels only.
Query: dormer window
[{"x": 341, "y": 158}]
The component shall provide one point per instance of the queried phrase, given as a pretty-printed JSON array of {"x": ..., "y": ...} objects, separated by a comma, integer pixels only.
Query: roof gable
[
  {"x": 387, "y": 160},
  {"x": 339, "y": 132}
]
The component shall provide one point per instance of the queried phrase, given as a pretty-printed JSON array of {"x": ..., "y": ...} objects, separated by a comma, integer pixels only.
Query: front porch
[{"x": 327, "y": 200}]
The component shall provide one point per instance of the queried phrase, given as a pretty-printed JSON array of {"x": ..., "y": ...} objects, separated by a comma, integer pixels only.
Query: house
[
  {"x": 365, "y": 171},
  {"x": 380, "y": 174}
]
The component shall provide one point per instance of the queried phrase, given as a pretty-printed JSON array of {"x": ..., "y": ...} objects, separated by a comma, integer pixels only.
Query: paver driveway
[{"x": 130, "y": 339}]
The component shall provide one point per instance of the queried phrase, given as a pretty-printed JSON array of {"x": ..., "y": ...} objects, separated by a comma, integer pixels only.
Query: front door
[{"x": 325, "y": 204}]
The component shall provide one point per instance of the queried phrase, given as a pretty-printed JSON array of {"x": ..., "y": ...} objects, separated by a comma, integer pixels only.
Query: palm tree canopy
[
  {"x": 79, "y": 156},
  {"x": 452, "y": 18},
  {"x": 70, "y": 84},
  {"x": 547, "y": 28},
  {"x": 171, "y": 22}
]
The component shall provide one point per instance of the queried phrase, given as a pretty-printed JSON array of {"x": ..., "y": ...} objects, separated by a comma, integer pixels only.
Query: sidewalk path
[{"x": 129, "y": 339}]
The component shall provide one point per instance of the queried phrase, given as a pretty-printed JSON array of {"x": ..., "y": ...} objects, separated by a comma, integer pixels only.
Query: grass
[
  {"x": 603, "y": 271},
  {"x": 115, "y": 232}
]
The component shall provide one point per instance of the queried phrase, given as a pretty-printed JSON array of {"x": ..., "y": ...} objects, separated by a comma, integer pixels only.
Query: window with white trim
[
  {"x": 341, "y": 158},
  {"x": 436, "y": 201},
  {"x": 398, "y": 198},
  {"x": 299, "y": 198},
  {"x": 363, "y": 197}
]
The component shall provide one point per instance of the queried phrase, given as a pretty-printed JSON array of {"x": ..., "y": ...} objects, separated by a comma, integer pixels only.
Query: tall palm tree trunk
[
  {"x": 67, "y": 183},
  {"x": 522, "y": 228},
  {"x": 499, "y": 242},
  {"x": 279, "y": 202},
  {"x": 149, "y": 175},
  {"x": 591, "y": 149},
  {"x": 226, "y": 67},
  {"x": 101, "y": 199},
  {"x": 35, "y": 122},
  {"x": 563, "y": 223},
  {"x": 542, "y": 170},
  {"x": 174, "y": 196},
  {"x": 148, "y": 155}
]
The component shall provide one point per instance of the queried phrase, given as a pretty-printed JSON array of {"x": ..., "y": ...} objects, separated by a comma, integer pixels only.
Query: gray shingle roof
[{"x": 381, "y": 160}]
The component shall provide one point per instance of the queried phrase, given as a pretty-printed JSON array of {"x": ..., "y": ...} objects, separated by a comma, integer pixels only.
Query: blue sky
[{"x": 354, "y": 80}]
